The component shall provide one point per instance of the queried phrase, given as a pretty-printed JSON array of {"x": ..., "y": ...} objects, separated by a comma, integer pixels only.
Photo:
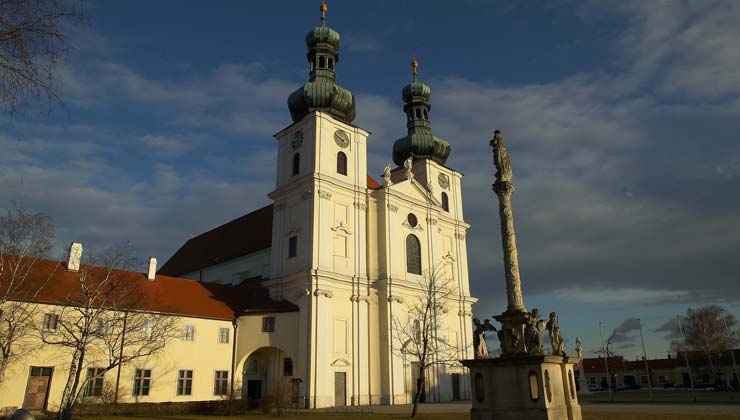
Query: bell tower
[{"x": 319, "y": 239}]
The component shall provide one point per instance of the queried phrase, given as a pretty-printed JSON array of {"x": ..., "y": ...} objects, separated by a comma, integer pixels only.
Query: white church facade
[{"x": 325, "y": 270}]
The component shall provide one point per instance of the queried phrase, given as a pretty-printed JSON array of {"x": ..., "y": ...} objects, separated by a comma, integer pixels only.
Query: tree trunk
[
  {"x": 69, "y": 397},
  {"x": 419, "y": 390},
  {"x": 3, "y": 367}
]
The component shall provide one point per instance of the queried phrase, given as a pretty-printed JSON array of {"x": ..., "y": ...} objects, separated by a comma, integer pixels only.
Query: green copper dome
[
  {"x": 321, "y": 93},
  {"x": 322, "y": 35},
  {"x": 419, "y": 142}
]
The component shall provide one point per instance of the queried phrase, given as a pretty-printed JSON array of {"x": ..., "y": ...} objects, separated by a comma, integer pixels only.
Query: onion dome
[
  {"x": 419, "y": 143},
  {"x": 321, "y": 93}
]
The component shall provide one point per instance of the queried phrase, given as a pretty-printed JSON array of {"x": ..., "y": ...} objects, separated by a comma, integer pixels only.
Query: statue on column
[
  {"x": 579, "y": 347},
  {"x": 479, "y": 337},
  {"x": 556, "y": 340},
  {"x": 533, "y": 334},
  {"x": 501, "y": 158}
]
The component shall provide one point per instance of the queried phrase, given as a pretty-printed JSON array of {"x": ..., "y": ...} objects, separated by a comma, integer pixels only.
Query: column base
[{"x": 527, "y": 387}]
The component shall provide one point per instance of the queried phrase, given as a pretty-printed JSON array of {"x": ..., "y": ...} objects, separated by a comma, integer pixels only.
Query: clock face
[
  {"x": 341, "y": 138},
  {"x": 444, "y": 181},
  {"x": 297, "y": 141}
]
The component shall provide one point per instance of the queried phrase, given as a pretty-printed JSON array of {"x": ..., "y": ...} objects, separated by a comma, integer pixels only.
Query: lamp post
[
  {"x": 686, "y": 357},
  {"x": 732, "y": 351},
  {"x": 606, "y": 362},
  {"x": 644, "y": 357}
]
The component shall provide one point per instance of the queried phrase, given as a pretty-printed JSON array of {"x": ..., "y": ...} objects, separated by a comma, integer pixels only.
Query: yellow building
[{"x": 312, "y": 285}]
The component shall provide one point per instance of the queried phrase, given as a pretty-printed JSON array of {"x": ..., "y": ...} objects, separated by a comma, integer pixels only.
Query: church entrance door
[
  {"x": 340, "y": 389},
  {"x": 455, "y": 386}
]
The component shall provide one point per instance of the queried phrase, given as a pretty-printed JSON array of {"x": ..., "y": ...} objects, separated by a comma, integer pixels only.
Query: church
[{"x": 323, "y": 272}]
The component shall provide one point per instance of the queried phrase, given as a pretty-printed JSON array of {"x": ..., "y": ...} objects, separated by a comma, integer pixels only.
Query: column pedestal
[{"x": 527, "y": 387}]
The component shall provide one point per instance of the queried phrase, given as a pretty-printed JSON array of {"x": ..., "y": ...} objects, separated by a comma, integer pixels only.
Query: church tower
[{"x": 319, "y": 241}]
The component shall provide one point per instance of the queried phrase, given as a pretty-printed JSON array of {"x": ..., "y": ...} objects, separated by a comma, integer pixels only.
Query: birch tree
[
  {"x": 25, "y": 238},
  {"x": 419, "y": 331},
  {"x": 105, "y": 322}
]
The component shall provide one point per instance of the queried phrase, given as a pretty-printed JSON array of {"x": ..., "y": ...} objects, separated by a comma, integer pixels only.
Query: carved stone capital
[
  {"x": 460, "y": 235},
  {"x": 323, "y": 292},
  {"x": 360, "y": 205},
  {"x": 279, "y": 207},
  {"x": 326, "y": 195},
  {"x": 464, "y": 313},
  {"x": 306, "y": 195},
  {"x": 393, "y": 208},
  {"x": 397, "y": 299},
  {"x": 359, "y": 298}
]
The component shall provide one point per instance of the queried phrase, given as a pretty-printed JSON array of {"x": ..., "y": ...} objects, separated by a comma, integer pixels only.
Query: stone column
[{"x": 503, "y": 190}]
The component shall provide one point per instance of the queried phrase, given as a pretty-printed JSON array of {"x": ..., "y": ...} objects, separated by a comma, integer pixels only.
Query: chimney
[
  {"x": 73, "y": 257},
  {"x": 152, "y": 269}
]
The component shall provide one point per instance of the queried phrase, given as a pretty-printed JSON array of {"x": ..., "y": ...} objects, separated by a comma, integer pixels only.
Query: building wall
[
  {"x": 256, "y": 264},
  {"x": 204, "y": 356}
]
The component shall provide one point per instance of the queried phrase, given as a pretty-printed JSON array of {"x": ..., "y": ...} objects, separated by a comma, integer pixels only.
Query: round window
[{"x": 412, "y": 220}]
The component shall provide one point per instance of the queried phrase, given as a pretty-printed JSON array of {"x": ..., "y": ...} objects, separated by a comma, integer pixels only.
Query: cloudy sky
[{"x": 621, "y": 119}]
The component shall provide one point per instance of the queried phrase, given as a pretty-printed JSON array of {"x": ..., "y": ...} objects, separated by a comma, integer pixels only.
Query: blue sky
[{"x": 621, "y": 119}]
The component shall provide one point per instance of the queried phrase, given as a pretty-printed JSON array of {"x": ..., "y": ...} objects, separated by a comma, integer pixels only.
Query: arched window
[
  {"x": 341, "y": 163},
  {"x": 296, "y": 163},
  {"x": 445, "y": 202},
  {"x": 426, "y": 115},
  {"x": 413, "y": 255},
  {"x": 417, "y": 111}
]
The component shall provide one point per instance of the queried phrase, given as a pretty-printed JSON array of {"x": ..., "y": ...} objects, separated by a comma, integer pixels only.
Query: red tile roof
[
  {"x": 596, "y": 364},
  {"x": 50, "y": 282},
  {"x": 245, "y": 235},
  {"x": 371, "y": 183}
]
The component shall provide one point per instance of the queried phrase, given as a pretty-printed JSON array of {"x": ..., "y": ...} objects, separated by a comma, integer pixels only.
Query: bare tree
[
  {"x": 704, "y": 330},
  {"x": 32, "y": 44},
  {"x": 25, "y": 238},
  {"x": 419, "y": 332},
  {"x": 105, "y": 321}
]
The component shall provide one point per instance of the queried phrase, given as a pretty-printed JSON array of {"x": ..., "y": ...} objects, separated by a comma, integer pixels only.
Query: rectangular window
[
  {"x": 142, "y": 382},
  {"x": 188, "y": 333},
  {"x": 223, "y": 335},
  {"x": 51, "y": 322},
  {"x": 292, "y": 246},
  {"x": 287, "y": 367},
  {"x": 268, "y": 324},
  {"x": 593, "y": 381},
  {"x": 221, "y": 383},
  {"x": 184, "y": 382},
  {"x": 643, "y": 379},
  {"x": 663, "y": 379},
  {"x": 94, "y": 387},
  {"x": 147, "y": 331}
]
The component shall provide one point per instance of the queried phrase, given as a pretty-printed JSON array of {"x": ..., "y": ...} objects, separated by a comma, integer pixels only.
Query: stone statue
[
  {"x": 555, "y": 338},
  {"x": 501, "y": 158},
  {"x": 387, "y": 176},
  {"x": 479, "y": 337},
  {"x": 579, "y": 348},
  {"x": 533, "y": 334},
  {"x": 409, "y": 165}
]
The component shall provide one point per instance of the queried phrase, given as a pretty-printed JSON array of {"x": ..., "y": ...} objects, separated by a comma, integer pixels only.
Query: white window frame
[
  {"x": 45, "y": 326},
  {"x": 188, "y": 332},
  {"x": 183, "y": 381},
  {"x": 221, "y": 381},
  {"x": 140, "y": 380},
  {"x": 221, "y": 335}
]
